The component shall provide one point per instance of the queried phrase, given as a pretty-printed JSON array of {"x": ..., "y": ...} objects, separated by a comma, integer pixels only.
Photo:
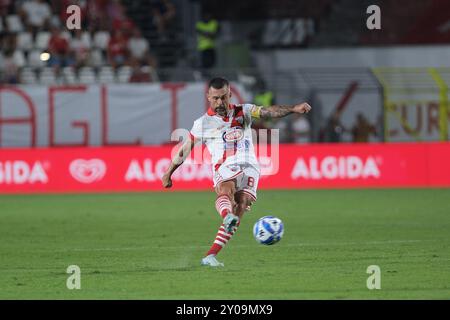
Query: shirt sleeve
[
  {"x": 251, "y": 111},
  {"x": 196, "y": 132}
]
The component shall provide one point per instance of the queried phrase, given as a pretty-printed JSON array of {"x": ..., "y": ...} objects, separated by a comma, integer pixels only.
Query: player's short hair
[{"x": 218, "y": 83}]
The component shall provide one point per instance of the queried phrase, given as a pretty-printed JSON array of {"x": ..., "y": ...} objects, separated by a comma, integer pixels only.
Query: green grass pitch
[{"x": 149, "y": 246}]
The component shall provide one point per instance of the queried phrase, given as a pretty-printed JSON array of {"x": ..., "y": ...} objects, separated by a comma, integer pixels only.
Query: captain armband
[{"x": 255, "y": 112}]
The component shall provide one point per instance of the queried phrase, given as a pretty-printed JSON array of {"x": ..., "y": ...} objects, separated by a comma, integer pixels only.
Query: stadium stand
[
  {"x": 108, "y": 49},
  {"x": 155, "y": 40}
]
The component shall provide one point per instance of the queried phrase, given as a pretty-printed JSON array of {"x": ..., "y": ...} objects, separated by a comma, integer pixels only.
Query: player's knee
[
  {"x": 229, "y": 193},
  {"x": 242, "y": 206},
  {"x": 226, "y": 189},
  {"x": 245, "y": 203}
]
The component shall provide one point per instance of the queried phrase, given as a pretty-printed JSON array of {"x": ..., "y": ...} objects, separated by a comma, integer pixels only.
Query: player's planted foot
[
  {"x": 211, "y": 261},
  {"x": 230, "y": 221}
]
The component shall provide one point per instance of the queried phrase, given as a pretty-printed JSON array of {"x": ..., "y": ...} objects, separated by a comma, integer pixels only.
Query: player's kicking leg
[
  {"x": 246, "y": 188},
  {"x": 224, "y": 205},
  {"x": 244, "y": 201}
]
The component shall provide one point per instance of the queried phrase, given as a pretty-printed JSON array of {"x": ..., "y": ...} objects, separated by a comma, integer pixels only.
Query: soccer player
[{"x": 226, "y": 130}]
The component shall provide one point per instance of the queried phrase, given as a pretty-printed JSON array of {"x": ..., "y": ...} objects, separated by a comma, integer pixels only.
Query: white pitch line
[{"x": 306, "y": 244}]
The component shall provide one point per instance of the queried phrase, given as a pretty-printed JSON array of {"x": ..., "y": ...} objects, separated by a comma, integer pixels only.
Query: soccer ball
[{"x": 268, "y": 230}]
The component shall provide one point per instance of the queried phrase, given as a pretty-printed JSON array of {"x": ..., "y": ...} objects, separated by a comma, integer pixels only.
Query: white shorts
[{"x": 246, "y": 177}]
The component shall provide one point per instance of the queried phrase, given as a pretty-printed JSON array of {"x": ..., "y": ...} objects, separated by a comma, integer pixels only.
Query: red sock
[
  {"x": 223, "y": 205},
  {"x": 221, "y": 240}
]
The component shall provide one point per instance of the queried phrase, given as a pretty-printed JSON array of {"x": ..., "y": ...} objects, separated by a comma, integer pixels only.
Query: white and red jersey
[{"x": 228, "y": 139}]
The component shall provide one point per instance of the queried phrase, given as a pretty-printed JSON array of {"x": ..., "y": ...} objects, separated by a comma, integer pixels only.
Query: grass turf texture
[{"x": 149, "y": 246}]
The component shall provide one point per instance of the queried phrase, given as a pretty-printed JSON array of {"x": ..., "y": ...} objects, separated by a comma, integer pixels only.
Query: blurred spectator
[
  {"x": 8, "y": 42},
  {"x": 163, "y": 14},
  {"x": 333, "y": 130},
  {"x": 207, "y": 30},
  {"x": 80, "y": 48},
  {"x": 117, "y": 49},
  {"x": 97, "y": 20},
  {"x": 119, "y": 19},
  {"x": 10, "y": 67},
  {"x": 5, "y": 7},
  {"x": 300, "y": 129},
  {"x": 284, "y": 134},
  {"x": 362, "y": 129},
  {"x": 41, "y": 25},
  {"x": 36, "y": 14},
  {"x": 59, "y": 49},
  {"x": 140, "y": 50},
  {"x": 11, "y": 59},
  {"x": 141, "y": 74},
  {"x": 264, "y": 98}
]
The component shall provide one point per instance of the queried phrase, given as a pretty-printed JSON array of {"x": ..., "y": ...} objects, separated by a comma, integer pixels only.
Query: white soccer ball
[{"x": 268, "y": 230}]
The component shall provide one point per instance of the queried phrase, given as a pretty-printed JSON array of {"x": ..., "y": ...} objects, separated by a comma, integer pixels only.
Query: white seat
[
  {"x": 34, "y": 59},
  {"x": 106, "y": 75},
  {"x": 66, "y": 35},
  {"x": 101, "y": 39},
  {"x": 19, "y": 58},
  {"x": 87, "y": 75},
  {"x": 245, "y": 79},
  {"x": 28, "y": 76},
  {"x": 96, "y": 58},
  {"x": 107, "y": 69},
  {"x": 47, "y": 76},
  {"x": 25, "y": 41},
  {"x": 14, "y": 23},
  {"x": 151, "y": 71},
  {"x": 124, "y": 74},
  {"x": 68, "y": 75},
  {"x": 55, "y": 21},
  {"x": 300, "y": 26},
  {"x": 287, "y": 37},
  {"x": 271, "y": 32},
  {"x": 86, "y": 39},
  {"x": 42, "y": 40}
]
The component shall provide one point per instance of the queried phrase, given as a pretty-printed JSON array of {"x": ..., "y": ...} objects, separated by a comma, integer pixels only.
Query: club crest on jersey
[{"x": 233, "y": 134}]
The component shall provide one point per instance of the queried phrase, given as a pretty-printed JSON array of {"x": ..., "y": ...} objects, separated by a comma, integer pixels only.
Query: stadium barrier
[
  {"x": 120, "y": 169},
  {"x": 100, "y": 115},
  {"x": 415, "y": 103}
]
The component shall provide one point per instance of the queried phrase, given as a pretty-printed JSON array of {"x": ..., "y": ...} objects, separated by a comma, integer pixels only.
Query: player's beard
[{"x": 221, "y": 111}]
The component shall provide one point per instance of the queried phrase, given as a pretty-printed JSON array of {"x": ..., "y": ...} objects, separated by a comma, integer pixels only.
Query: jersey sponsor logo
[
  {"x": 233, "y": 135},
  {"x": 348, "y": 167},
  {"x": 20, "y": 172},
  {"x": 87, "y": 171}
]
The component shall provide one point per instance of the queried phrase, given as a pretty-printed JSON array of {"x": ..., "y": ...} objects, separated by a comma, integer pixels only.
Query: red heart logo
[{"x": 87, "y": 171}]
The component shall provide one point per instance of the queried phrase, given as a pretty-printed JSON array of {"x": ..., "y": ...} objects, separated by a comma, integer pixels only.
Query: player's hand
[
  {"x": 166, "y": 180},
  {"x": 302, "y": 108}
]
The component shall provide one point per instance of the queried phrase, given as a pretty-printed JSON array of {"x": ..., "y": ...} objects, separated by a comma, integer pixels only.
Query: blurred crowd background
[{"x": 151, "y": 41}]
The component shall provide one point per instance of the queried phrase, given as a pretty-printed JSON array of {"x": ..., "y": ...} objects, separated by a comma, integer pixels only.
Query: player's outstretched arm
[
  {"x": 177, "y": 161},
  {"x": 282, "y": 111}
]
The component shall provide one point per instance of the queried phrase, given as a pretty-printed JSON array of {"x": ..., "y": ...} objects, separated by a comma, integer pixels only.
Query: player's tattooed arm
[
  {"x": 177, "y": 161},
  {"x": 282, "y": 111}
]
